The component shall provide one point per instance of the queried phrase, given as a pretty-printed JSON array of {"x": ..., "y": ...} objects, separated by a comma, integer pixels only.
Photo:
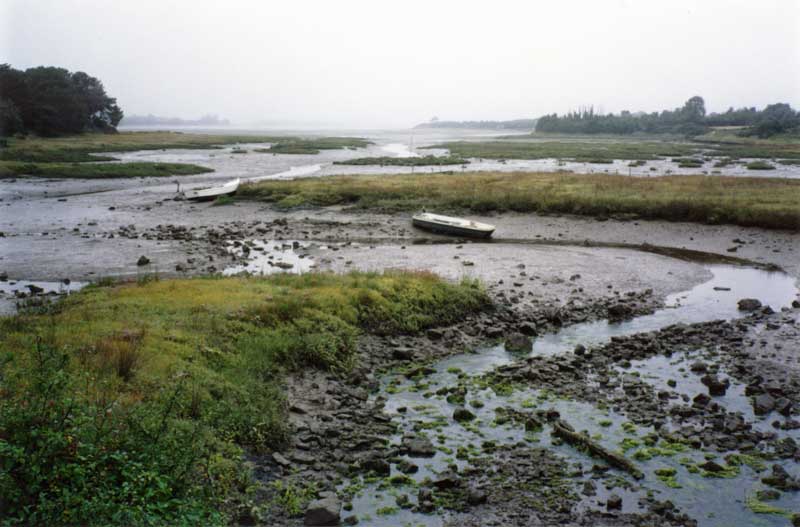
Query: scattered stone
[
  {"x": 417, "y": 447},
  {"x": 699, "y": 367},
  {"x": 614, "y": 502},
  {"x": 462, "y": 415},
  {"x": 323, "y": 512},
  {"x": 589, "y": 488},
  {"x": 619, "y": 311},
  {"x": 768, "y": 494},
  {"x": 517, "y": 342},
  {"x": 476, "y": 496},
  {"x": 143, "y": 260},
  {"x": 749, "y": 304},
  {"x": 281, "y": 460},
  {"x": 447, "y": 480},
  {"x": 763, "y": 404},
  {"x": 711, "y": 466},
  {"x": 715, "y": 386}
]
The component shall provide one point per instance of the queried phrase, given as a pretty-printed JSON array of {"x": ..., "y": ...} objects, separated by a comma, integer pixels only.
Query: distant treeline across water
[{"x": 690, "y": 119}]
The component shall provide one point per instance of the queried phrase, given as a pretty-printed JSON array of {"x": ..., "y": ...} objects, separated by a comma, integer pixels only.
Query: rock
[
  {"x": 784, "y": 406},
  {"x": 3, "y": 276},
  {"x": 589, "y": 488},
  {"x": 424, "y": 494},
  {"x": 619, "y": 311},
  {"x": 715, "y": 385},
  {"x": 796, "y": 516},
  {"x": 768, "y": 494},
  {"x": 35, "y": 289},
  {"x": 780, "y": 479},
  {"x": 699, "y": 367},
  {"x": 518, "y": 342},
  {"x": 463, "y": 415},
  {"x": 614, "y": 502},
  {"x": 528, "y": 328},
  {"x": 435, "y": 333},
  {"x": 323, "y": 512},
  {"x": 402, "y": 353},
  {"x": 143, "y": 260},
  {"x": 711, "y": 466},
  {"x": 493, "y": 332},
  {"x": 350, "y": 520},
  {"x": 407, "y": 467},
  {"x": 446, "y": 480},
  {"x": 476, "y": 496},
  {"x": 763, "y": 404},
  {"x": 701, "y": 399},
  {"x": 795, "y": 304},
  {"x": 749, "y": 304},
  {"x": 580, "y": 349},
  {"x": 377, "y": 465},
  {"x": 417, "y": 447},
  {"x": 280, "y": 459}
]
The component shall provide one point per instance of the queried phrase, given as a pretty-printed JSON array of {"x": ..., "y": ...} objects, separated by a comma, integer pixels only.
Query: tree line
[
  {"x": 690, "y": 119},
  {"x": 51, "y": 101}
]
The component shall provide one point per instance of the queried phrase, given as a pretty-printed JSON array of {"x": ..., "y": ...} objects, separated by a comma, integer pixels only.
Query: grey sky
[{"x": 375, "y": 63}]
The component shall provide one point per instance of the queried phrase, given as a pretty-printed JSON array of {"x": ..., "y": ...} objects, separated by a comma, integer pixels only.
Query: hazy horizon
[{"x": 359, "y": 64}]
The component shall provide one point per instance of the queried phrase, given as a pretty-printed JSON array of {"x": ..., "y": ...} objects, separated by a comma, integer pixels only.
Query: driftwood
[{"x": 563, "y": 430}]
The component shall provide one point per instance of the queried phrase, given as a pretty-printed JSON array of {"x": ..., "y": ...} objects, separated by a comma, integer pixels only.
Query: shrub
[{"x": 72, "y": 456}]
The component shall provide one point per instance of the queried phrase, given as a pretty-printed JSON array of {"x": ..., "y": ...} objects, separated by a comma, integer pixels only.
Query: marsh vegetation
[
  {"x": 131, "y": 404},
  {"x": 762, "y": 202}
]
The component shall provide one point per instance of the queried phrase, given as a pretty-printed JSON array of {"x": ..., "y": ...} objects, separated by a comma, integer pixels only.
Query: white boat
[
  {"x": 451, "y": 225},
  {"x": 204, "y": 194}
]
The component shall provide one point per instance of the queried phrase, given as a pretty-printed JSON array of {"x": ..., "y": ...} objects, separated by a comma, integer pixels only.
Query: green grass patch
[
  {"x": 616, "y": 147},
  {"x": 313, "y": 146},
  {"x": 130, "y": 404},
  {"x": 759, "y": 507},
  {"x": 10, "y": 169},
  {"x": 406, "y": 161},
  {"x": 223, "y": 200},
  {"x": 758, "y": 202},
  {"x": 688, "y": 162},
  {"x": 760, "y": 165},
  {"x": 78, "y": 148},
  {"x": 594, "y": 151}
]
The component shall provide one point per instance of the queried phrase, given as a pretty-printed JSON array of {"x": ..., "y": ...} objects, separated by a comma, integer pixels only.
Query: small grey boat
[
  {"x": 451, "y": 225},
  {"x": 207, "y": 194}
]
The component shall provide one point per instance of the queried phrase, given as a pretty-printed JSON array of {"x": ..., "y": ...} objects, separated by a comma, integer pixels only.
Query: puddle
[
  {"x": 399, "y": 150},
  {"x": 14, "y": 291},
  {"x": 418, "y": 409},
  {"x": 303, "y": 170},
  {"x": 263, "y": 257}
]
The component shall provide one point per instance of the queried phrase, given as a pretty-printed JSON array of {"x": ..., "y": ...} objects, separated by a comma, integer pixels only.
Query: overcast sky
[{"x": 394, "y": 64}]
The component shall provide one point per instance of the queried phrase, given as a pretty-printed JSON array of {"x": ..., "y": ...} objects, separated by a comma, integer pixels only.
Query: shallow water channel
[{"x": 713, "y": 502}]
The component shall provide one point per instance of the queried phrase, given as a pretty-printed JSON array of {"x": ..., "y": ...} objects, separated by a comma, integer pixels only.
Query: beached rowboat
[
  {"x": 451, "y": 225},
  {"x": 210, "y": 193}
]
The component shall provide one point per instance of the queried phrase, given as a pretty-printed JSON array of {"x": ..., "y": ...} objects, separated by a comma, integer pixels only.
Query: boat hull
[
  {"x": 453, "y": 230},
  {"x": 214, "y": 192}
]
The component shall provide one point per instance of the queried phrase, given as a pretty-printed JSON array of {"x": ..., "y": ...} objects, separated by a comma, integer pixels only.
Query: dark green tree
[{"x": 53, "y": 101}]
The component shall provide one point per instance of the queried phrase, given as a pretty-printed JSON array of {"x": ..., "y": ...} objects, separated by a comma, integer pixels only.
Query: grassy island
[{"x": 759, "y": 202}]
